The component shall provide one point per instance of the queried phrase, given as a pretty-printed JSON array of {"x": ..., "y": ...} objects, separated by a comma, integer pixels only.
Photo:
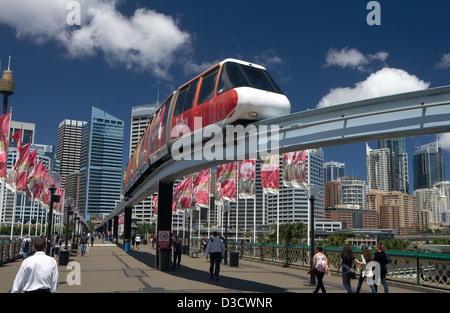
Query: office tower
[
  {"x": 101, "y": 164},
  {"x": 378, "y": 168},
  {"x": 141, "y": 116},
  {"x": 428, "y": 166},
  {"x": 69, "y": 147},
  {"x": 399, "y": 178},
  {"x": 353, "y": 190},
  {"x": 333, "y": 170}
]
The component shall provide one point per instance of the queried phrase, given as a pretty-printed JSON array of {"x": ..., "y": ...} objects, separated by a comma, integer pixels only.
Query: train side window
[
  {"x": 166, "y": 111},
  {"x": 180, "y": 102},
  {"x": 190, "y": 96},
  {"x": 207, "y": 88}
]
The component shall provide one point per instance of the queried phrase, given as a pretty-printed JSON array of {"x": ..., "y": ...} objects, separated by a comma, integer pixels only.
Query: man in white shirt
[
  {"x": 216, "y": 248},
  {"x": 38, "y": 273}
]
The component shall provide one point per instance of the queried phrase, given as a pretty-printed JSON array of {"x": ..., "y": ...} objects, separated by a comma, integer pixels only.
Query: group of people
[
  {"x": 213, "y": 248},
  {"x": 372, "y": 267}
]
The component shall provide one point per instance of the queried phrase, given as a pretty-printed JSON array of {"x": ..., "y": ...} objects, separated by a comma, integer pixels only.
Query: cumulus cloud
[
  {"x": 386, "y": 81},
  {"x": 444, "y": 63},
  {"x": 353, "y": 58},
  {"x": 146, "y": 40},
  {"x": 444, "y": 141}
]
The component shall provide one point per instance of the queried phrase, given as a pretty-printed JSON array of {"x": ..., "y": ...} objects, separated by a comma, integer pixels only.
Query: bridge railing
[
  {"x": 417, "y": 268},
  {"x": 10, "y": 249}
]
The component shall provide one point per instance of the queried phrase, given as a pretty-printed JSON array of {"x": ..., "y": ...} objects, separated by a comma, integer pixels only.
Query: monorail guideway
[{"x": 403, "y": 115}]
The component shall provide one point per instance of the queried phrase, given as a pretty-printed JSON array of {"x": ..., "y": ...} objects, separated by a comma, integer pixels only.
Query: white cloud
[
  {"x": 147, "y": 40},
  {"x": 353, "y": 58},
  {"x": 444, "y": 141},
  {"x": 386, "y": 81},
  {"x": 444, "y": 63}
]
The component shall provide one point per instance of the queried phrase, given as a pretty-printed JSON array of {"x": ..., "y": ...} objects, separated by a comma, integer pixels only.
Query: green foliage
[
  {"x": 441, "y": 241},
  {"x": 396, "y": 244},
  {"x": 290, "y": 233}
]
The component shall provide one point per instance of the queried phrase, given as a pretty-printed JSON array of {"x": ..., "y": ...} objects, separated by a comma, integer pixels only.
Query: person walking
[
  {"x": 320, "y": 264},
  {"x": 138, "y": 241},
  {"x": 346, "y": 261},
  {"x": 56, "y": 246},
  {"x": 382, "y": 258},
  {"x": 92, "y": 241},
  {"x": 26, "y": 243},
  {"x": 366, "y": 257},
  {"x": 177, "y": 249},
  {"x": 215, "y": 248},
  {"x": 37, "y": 274},
  {"x": 83, "y": 241}
]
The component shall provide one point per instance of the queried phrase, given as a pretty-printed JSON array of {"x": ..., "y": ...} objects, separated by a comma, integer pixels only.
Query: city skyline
[{"x": 319, "y": 54}]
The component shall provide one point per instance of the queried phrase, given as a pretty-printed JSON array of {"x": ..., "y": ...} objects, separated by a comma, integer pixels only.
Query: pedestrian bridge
[{"x": 107, "y": 268}]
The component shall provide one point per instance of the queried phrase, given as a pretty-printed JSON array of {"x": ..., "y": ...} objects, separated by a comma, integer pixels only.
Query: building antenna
[
  {"x": 9, "y": 63},
  {"x": 157, "y": 99}
]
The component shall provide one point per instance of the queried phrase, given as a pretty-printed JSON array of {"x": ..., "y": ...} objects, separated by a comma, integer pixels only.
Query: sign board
[{"x": 164, "y": 239}]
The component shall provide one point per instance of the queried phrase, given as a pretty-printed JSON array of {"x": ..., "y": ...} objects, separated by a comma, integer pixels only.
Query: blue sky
[{"x": 124, "y": 53}]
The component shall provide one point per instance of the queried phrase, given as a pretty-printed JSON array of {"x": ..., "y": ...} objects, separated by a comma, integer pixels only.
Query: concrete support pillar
[
  {"x": 164, "y": 231},
  {"x": 116, "y": 229},
  {"x": 127, "y": 229}
]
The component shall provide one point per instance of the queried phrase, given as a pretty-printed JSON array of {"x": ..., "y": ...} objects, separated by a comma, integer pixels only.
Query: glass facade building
[
  {"x": 101, "y": 164},
  {"x": 428, "y": 166}
]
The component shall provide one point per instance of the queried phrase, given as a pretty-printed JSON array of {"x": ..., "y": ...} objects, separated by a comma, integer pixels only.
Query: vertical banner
[
  {"x": 247, "y": 179},
  {"x": 182, "y": 194},
  {"x": 228, "y": 184},
  {"x": 22, "y": 175},
  {"x": 201, "y": 188},
  {"x": 4, "y": 143},
  {"x": 218, "y": 185},
  {"x": 270, "y": 174},
  {"x": 155, "y": 205},
  {"x": 294, "y": 169}
]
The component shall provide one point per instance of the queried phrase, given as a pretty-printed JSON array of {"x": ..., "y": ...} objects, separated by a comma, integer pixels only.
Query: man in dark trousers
[{"x": 216, "y": 248}]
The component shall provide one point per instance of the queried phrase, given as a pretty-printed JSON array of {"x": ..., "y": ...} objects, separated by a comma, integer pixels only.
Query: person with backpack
[
  {"x": 26, "y": 246},
  {"x": 320, "y": 264}
]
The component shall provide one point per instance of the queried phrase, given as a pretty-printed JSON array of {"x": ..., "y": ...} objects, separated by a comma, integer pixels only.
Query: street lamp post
[
  {"x": 226, "y": 209},
  {"x": 312, "y": 191},
  {"x": 51, "y": 179},
  {"x": 65, "y": 254}
]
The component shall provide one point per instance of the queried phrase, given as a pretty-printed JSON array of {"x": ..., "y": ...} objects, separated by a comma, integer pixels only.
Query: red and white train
[{"x": 230, "y": 92}]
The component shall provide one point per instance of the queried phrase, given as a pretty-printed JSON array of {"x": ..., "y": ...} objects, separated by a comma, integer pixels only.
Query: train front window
[{"x": 238, "y": 75}]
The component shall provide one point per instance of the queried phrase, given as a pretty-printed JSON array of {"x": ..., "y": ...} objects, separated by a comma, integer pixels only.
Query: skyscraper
[
  {"x": 378, "y": 168},
  {"x": 333, "y": 170},
  {"x": 399, "y": 177},
  {"x": 68, "y": 150},
  {"x": 428, "y": 166},
  {"x": 141, "y": 116},
  {"x": 101, "y": 164}
]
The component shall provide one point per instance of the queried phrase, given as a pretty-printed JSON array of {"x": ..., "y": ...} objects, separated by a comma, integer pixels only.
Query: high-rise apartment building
[
  {"x": 68, "y": 150},
  {"x": 399, "y": 177},
  {"x": 353, "y": 190},
  {"x": 331, "y": 194},
  {"x": 428, "y": 166},
  {"x": 378, "y": 168},
  {"x": 101, "y": 164}
]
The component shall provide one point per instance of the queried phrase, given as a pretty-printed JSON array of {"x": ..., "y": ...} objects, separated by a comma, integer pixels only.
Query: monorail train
[{"x": 232, "y": 91}]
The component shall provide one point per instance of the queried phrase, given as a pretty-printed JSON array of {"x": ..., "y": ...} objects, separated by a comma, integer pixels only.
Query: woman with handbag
[{"x": 346, "y": 261}]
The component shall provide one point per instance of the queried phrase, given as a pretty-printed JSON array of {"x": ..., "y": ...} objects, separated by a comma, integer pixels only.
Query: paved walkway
[{"x": 109, "y": 269}]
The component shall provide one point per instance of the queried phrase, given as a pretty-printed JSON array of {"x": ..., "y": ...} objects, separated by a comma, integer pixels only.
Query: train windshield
[{"x": 238, "y": 75}]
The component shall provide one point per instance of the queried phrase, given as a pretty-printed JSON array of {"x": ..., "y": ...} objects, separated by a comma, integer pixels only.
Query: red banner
[
  {"x": 23, "y": 165},
  {"x": 4, "y": 143},
  {"x": 182, "y": 195},
  {"x": 155, "y": 205},
  {"x": 201, "y": 188},
  {"x": 228, "y": 183},
  {"x": 247, "y": 179},
  {"x": 270, "y": 174},
  {"x": 294, "y": 169}
]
